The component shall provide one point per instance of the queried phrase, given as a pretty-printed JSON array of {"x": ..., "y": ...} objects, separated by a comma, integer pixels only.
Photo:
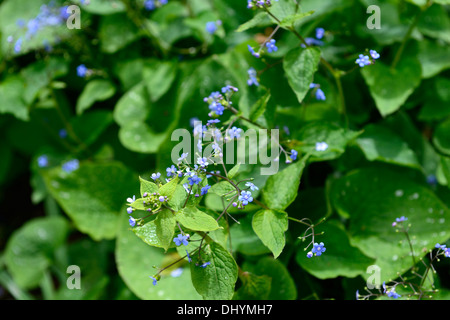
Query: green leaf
[
  {"x": 332, "y": 134},
  {"x": 294, "y": 18},
  {"x": 90, "y": 125},
  {"x": 169, "y": 188},
  {"x": 217, "y": 280},
  {"x": 196, "y": 220},
  {"x": 95, "y": 90},
  {"x": 381, "y": 144},
  {"x": 140, "y": 137},
  {"x": 222, "y": 188},
  {"x": 373, "y": 198},
  {"x": 30, "y": 249},
  {"x": 441, "y": 137},
  {"x": 259, "y": 107},
  {"x": 281, "y": 188},
  {"x": 283, "y": 286},
  {"x": 433, "y": 57},
  {"x": 234, "y": 171},
  {"x": 147, "y": 186},
  {"x": 135, "y": 262},
  {"x": 159, "y": 77},
  {"x": 270, "y": 226},
  {"x": 11, "y": 98},
  {"x": 258, "y": 19},
  {"x": 340, "y": 257},
  {"x": 116, "y": 31},
  {"x": 435, "y": 23},
  {"x": 300, "y": 64},
  {"x": 133, "y": 106},
  {"x": 92, "y": 196},
  {"x": 165, "y": 228},
  {"x": 178, "y": 198},
  {"x": 147, "y": 233},
  {"x": 253, "y": 287},
  {"x": 391, "y": 87}
]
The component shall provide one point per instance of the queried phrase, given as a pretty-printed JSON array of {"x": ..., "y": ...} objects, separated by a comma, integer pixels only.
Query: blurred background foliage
[{"x": 73, "y": 146}]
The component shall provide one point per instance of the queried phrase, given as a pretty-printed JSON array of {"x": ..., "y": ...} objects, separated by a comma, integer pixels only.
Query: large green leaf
[
  {"x": 31, "y": 248},
  {"x": 381, "y": 144},
  {"x": 135, "y": 262},
  {"x": 373, "y": 198},
  {"x": 95, "y": 90},
  {"x": 159, "y": 77},
  {"x": 340, "y": 257},
  {"x": 270, "y": 226},
  {"x": 93, "y": 195},
  {"x": 391, "y": 87},
  {"x": 433, "y": 57},
  {"x": 215, "y": 281},
  {"x": 300, "y": 64},
  {"x": 11, "y": 98},
  {"x": 281, "y": 188},
  {"x": 196, "y": 220}
]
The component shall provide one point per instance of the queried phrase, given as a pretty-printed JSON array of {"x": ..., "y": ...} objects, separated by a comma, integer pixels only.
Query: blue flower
[
  {"x": 180, "y": 239},
  {"x": 205, "y": 264},
  {"x": 42, "y": 161},
  {"x": 188, "y": 256},
  {"x": 294, "y": 154},
  {"x": 149, "y": 5},
  {"x": 321, "y": 146},
  {"x": 217, "y": 108},
  {"x": 251, "y": 186},
  {"x": 229, "y": 89},
  {"x": 320, "y": 32},
  {"x": 211, "y": 27},
  {"x": 171, "y": 171},
  {"x": 204, "y": 190},
  {"x": 176, "y": 273},
  {"x": 131, "y": 200},
  {"x": 440, "y": 246},
  {"x": 401, "y": 219},
  {"x": 155, "y": 176},
  {"x": 309, "y": 254},
  {"x": 212, "y": 121},
  {"x": 235, "y": 133},
  {"x": 183, "y": 156},
  {"x": 62, "y": 133},
  {"x": 71, "y": 165},
  {"x": 311, "y": 41},
  {"x": 375, "y": 55},
  {"x": 271, "y": 47},
  {"x": 318, "y": 249},
  {"x": 245, "y": 197},
  {"x": 320, "y": 95},
  {"x": 132, "y": 221},
  {"x": 363, "y": 61},
  {"x": 18, "y": 45},
  {"x": 154, "y": 281},
  {"x": 202, "y": 162},
  {"x": 252, "y": 77},
  {"x": 255, "y": 54},
  {"x": 194, "y": 180},
  {"x": 82, "y": 70},
  {"x": 130, "y": 210}
]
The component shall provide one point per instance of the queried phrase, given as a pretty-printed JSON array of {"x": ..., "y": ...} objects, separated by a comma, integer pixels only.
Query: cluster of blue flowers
[
  {"x": 49, "y": 16},
  {"x": 367, "y": 59}
]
